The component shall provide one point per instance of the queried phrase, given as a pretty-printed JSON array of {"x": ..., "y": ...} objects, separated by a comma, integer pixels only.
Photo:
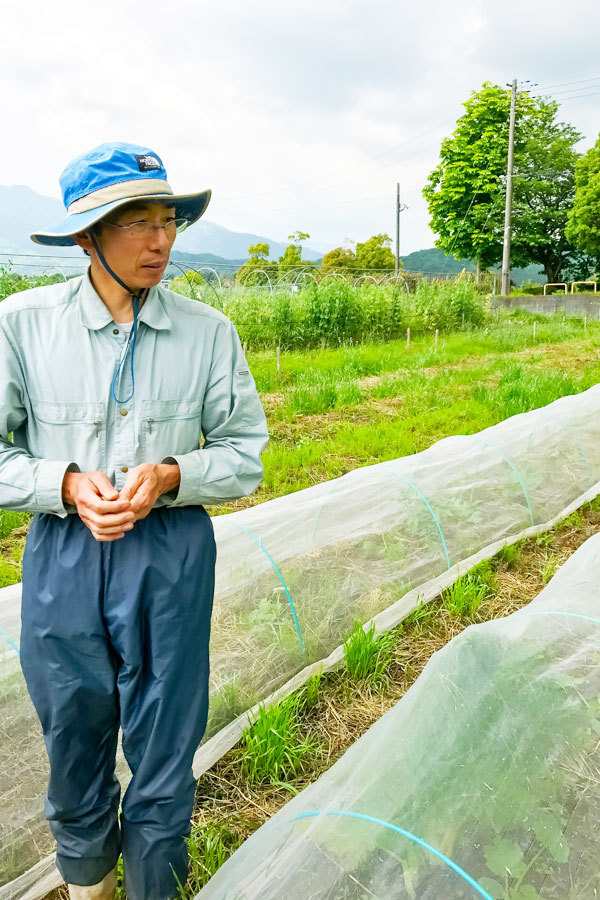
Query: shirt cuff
[
  {"x": 187, "y": 492},
  {"x": 171, "y": 496},
  {"x": 49, "y": 485}
]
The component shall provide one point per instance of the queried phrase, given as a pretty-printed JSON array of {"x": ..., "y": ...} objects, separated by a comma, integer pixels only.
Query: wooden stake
[
  {"x": 278, "y": 360},
  {"x": 435, "y": 343},
  {"x": 407, "y": 338},
  {"x": 534, "y": 324},
  {"x": 585, "y": 323}
]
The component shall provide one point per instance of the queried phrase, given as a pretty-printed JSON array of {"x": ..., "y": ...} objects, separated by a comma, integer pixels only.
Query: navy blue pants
[{"x": 116, "y": 633}]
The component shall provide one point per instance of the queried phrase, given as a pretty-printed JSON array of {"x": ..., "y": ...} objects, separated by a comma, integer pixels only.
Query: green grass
[
  {"x": 368, "y": 656},
  {"x": 510, "y": 553},
  {"x": 466, "y": 595},
  {"x": 273, "y": 748},
  {"x": 551, "y": 564},
  {"x": 325, "y": 419},
  {"x": 209, "y": 846}
]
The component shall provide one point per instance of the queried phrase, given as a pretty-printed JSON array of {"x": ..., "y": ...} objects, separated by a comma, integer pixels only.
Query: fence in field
[
  {"x": 481, "y": 782},
  {"x": 294, "y": 573}
]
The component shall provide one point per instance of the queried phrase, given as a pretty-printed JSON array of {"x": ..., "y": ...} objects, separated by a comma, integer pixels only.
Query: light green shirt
[{"x": 59, "y": 351}]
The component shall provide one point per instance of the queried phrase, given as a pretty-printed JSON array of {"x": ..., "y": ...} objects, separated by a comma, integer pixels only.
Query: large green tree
[
  {"x": 339, "y": 259},
  {"x": 258, "y": 269},
  {"x": 583, "y": 227},
  {"x": 291, "y": 259},
  {"x": 466, "y": 191},
  {"x": 375, "y": 253}
]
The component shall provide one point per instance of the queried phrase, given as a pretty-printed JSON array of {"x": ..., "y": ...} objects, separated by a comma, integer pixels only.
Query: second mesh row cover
[{"x": 483, "y": 781}]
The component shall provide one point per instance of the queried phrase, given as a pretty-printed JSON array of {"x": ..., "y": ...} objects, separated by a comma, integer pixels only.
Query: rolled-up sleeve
[
  {"x": 228, "y": 466},
  {"x": 26, "y": 483}
]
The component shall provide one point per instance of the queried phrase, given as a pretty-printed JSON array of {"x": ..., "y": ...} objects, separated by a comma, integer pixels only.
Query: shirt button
[
  {"x": 123, "y": 412},
  {"x": 124, "y": 469},
  {"x": 115, "y": 330}
]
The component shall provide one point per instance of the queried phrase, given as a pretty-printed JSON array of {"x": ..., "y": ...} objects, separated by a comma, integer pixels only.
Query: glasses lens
[
  {"x": 181, "y": 225},
  {"x": 139, "y": 229}
]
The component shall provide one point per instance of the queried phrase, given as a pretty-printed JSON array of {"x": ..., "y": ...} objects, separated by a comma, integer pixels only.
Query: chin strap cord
[{"x": 135, "y": 302}]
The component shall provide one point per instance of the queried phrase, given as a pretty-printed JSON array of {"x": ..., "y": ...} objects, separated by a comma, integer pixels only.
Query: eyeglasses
[{"x": 143, "y": 229}]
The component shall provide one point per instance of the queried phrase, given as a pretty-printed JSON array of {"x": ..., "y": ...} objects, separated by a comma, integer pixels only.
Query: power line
[
  {"x": 562, "y": 100},
  {"x": 545, "y": 84}
]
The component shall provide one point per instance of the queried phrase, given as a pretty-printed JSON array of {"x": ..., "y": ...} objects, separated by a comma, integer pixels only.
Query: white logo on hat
[{"x": 147, "y": 162}]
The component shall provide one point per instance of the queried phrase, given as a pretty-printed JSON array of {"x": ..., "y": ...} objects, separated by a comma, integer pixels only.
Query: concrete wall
[{"x": 570, "y": 304}]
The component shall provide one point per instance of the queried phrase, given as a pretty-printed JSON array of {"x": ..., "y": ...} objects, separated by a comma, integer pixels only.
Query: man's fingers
[
  {"x": 109, "y": 520},
  {"x": 102, "y": 507},
  {"x": 108, "y": 537},
  {"x": 105, "y": 488}
]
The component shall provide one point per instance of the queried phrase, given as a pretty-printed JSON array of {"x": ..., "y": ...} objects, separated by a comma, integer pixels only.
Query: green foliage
[
  {"x": 209, "y": 846},
  {"x": 318, "y": 392},
  {"x": 310, "y": 694},
  {"x": 551, "y": 564},
  {"x": 466, "y": 191},
  {"x": 583, "y": 227},
  {"x": 368, "y": 656},
  {"x": 258, "y": 269},
  {"x": 466, "y": 595},
  {"x": 273, "y": 748},
  {"x": 11, "y": 519},
  {"x": 510, "y": 553},
  {"x": 530, "y": 288},
  {"x": 543, "y": 189},
  {"x": 339, "y": 259},
  {"x": 519, "y": 391},
  {"x": 335, "y": 312},
  {"x": 375, "y": 254},
  {"x": 420, "y": 616},
  {"x": 13, "y": 283}
]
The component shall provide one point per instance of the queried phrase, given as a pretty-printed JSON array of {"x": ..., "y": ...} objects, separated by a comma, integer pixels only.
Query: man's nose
[{"x": 159, "y": 239}]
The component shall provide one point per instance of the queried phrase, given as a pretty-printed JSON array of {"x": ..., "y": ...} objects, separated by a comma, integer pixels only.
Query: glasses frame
[{"x": 149, "y": 228}]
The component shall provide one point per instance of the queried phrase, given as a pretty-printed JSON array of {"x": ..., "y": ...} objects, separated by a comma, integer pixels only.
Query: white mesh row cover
[
  {"x": 294, "y": 573},
  {"x": 483, "y": 781}
]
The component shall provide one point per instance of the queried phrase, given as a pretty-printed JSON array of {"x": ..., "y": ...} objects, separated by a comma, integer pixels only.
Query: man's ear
[{"x": 84, "y": 240}]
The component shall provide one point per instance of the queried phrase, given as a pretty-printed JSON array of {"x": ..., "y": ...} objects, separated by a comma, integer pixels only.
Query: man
[{"x": 108, "y": 381}]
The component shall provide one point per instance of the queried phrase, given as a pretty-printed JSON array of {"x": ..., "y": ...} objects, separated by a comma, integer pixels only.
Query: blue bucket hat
[{"x": 107, "y": 177}]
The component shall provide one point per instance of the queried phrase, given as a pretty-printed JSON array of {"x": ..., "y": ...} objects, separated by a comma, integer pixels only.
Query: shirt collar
[{"x": 95, "y": 315}]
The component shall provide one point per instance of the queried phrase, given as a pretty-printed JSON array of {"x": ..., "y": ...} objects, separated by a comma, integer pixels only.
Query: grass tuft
[
  {"x": 209, "y": 846},
  {"x": 510, "y": 553},
  {"x": 273, "y": 748},
  {"x": 466, "y": 595},
  {"x": 367, "y": 656}
]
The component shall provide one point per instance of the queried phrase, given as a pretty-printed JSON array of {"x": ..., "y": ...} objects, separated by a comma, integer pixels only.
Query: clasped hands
[{"x": 108, "y": 513}]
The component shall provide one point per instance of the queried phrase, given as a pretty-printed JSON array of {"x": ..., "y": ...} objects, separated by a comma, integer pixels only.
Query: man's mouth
[{"x": 156, "y": 266}]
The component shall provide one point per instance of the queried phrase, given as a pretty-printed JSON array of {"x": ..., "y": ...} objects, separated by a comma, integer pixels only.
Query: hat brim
[{"x": 187, "y": 206}]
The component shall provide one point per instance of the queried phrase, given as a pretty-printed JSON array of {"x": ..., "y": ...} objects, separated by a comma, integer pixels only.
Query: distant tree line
[{"x": 371, "y": 255}]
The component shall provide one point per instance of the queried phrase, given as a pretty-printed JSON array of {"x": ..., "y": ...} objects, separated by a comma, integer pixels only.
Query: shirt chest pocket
[
  {"x": 170, "y": 427},
  {"x": 75, "y": 432}
]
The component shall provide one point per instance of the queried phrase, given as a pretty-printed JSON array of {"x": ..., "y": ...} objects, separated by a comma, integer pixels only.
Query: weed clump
[
  {"x": 273, "y": 748},
  {"x": 209, "y": 846},
  {"x": 466, "y": 595},
  {"x": 367, "y": 656}
]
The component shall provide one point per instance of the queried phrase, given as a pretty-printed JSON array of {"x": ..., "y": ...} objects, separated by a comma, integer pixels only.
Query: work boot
[{"x": 104, "y": 890}]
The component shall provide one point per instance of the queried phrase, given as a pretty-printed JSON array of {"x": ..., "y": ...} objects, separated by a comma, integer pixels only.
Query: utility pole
[
  {"x": 397, "y": 267},
  {"x": 505, "y": 287}
]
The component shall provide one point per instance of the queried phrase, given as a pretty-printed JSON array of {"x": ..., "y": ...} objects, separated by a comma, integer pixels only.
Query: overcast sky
[{"x": 297, "y": 115}]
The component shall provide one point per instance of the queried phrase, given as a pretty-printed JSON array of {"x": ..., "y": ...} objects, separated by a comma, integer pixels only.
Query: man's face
[{"x": 139, "y": 259}]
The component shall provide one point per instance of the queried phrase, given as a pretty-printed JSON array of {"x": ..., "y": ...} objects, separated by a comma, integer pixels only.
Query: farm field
[
  {"x": 332, "y": 410},
  {"x": 399, "y": 400}
]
